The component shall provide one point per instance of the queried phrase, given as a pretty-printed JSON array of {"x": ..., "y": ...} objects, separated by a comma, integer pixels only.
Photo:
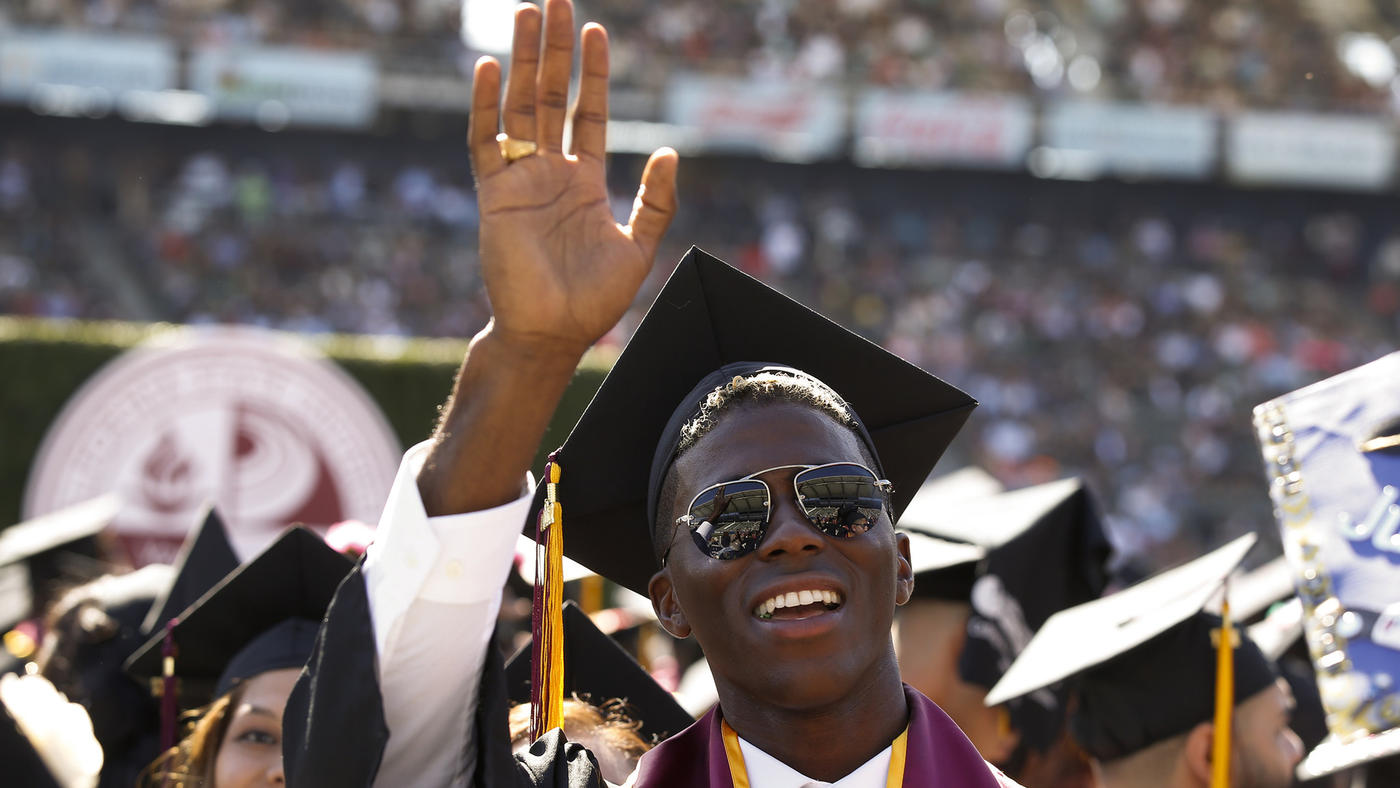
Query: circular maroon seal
[{"x": 255, "y": 421}]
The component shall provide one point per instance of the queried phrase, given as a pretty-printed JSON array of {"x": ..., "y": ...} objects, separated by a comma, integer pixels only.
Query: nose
[
  {"x": 1295, "y": 747},
  {"x": 789, "y": 532},
  {"x": 275, "y": 775}
]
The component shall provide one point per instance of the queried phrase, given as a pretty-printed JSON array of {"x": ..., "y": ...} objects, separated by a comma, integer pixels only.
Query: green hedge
[{"x": 45, "y": 361}]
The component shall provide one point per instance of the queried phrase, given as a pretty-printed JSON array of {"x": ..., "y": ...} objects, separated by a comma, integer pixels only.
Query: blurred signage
[
  {"x": 1310, "y": 150},
  {"x": 781, "y": 120},
  {"x": 35, "y": 64},
  {"x": 895, "y": 128},
  {"x": 282, "y": 86},
  {"x": 255, "y": 421},
  {"x": 1134, "y": 139}
]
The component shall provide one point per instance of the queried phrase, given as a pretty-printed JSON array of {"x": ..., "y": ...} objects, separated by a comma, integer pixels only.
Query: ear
[
  {"x": 667, "y": 607},
  {"x": 1197, "y": 752},
  {"x": 904, "y": 570}
]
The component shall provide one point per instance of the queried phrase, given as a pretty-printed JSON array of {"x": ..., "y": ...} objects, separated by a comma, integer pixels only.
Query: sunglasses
[{"x": 729, "y": 520}]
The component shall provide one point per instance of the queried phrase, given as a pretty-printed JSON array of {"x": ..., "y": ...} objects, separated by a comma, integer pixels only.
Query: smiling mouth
[{"x": 795, "y": 605}]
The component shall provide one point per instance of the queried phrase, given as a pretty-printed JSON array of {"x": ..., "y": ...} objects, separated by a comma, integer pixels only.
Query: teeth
[{"x": 797, "y": 599}]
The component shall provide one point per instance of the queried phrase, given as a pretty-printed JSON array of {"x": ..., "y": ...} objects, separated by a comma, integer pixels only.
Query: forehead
[
  {"x": 754, "y": 436},
  {"x": 270, "y": 690}
]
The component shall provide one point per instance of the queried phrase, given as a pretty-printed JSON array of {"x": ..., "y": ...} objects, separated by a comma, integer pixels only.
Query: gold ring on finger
[{"x": 513, "y": 150}]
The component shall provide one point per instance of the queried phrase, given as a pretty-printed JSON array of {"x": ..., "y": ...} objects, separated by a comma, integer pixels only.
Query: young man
[
  {"x": 792, "y": 609},
  {"x": 1143, "y": 668}
]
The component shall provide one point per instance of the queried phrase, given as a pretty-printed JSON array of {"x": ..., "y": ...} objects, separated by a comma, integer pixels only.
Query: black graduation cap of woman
[
  {"x": 598, "y": 670},
  {"x": 710, "y": 323},
  {"x": 205, "y": 558},
  {"x": 1142, "y": 661},
  {"x": 263, "y": 616}
]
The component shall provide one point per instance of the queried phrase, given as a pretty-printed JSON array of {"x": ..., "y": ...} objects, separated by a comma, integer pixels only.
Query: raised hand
[{"x": 558, "y": 269}]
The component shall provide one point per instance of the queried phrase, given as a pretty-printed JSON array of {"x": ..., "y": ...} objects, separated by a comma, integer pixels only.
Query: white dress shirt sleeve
[{"x": 434, "y": 587}]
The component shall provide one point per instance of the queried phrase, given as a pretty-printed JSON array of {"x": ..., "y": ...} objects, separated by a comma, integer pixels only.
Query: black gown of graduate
[{"x": 334, "y": 732}]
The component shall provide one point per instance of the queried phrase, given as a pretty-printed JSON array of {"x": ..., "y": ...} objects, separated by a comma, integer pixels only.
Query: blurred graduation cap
[
  {"x": 32, "y": 552},
  {"x": 944, "y": 568},
  {"x": 598, "y": 670},
  {"x": 951, "y": 535},
  {"x": 1141, "y": 658},
  {"x": 263, "y": 616},
  {"x": 1044, "y": 550},
  {"x": 205, "y": 558},
  {"x": 707, "y": 316}
]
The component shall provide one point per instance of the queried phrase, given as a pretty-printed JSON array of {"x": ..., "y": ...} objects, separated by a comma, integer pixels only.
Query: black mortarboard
[
  {"x": 710, "y": 315},
  {"x": 22, "y": 544},
  {"x": 1046, "y": 550},
  {"x": 205, "y": 558},
  {"x": 263, "y": 616},
  {"x": 944, "y": 568},
  {"x": 1142, "y": 660},
  {"x": 598, "y": 670}
]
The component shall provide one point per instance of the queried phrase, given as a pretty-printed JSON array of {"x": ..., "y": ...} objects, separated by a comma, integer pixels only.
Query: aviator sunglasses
[{"x": 729, "y": 520}]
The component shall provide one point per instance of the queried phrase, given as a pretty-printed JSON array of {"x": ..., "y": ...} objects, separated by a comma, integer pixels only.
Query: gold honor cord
[
  {"x": 1225, "y": 641},
  {"x": 739, "y": 775},
  {"x": 548, "y": 657}
]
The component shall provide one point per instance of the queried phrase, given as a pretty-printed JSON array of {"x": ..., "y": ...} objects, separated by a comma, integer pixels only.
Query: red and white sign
[
  {"x": 785, "y": 121},
  {"x": 255, "y": 421},
  {"x": 895, "y": 128}
]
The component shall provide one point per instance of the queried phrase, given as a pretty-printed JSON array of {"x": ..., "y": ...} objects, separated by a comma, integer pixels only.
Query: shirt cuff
[{"x": 455, "y": 559}]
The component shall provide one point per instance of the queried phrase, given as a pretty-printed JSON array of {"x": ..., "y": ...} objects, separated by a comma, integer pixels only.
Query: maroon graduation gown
[{"x": 937, "y": 755}]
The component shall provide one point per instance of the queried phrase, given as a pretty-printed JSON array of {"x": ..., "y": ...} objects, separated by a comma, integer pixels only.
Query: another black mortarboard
[
  {"x": 710, "y": 315},
  {"x": 1143, "y": 660},
  {"x": 67, "y": 529},
  {"x": 598, "y": 670},
  {"x": 262, "y": 617},
  {"x": 1046, "y": 550},
  {"x": 205, "y": 558}
]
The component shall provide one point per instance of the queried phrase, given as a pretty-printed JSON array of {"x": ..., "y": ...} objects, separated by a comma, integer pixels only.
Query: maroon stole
[{"x": 938, "y": 754}]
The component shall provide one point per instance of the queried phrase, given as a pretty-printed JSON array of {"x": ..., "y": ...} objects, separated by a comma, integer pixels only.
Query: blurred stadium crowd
[
  {"x": 1121, "y": 331},
  {"x": 1243, "y": 53}
]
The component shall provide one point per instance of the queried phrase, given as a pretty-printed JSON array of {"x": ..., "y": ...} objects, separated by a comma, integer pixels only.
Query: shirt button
[{"x": 454, "y": 568}]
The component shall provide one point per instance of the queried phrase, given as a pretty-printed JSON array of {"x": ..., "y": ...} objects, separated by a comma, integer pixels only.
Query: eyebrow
[{"x": 249, "y": 708}]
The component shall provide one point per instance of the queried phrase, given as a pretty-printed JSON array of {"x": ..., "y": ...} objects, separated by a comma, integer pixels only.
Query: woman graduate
[
  {"x": 707, "y": 473},
  {"x": 248, "y": 638}
]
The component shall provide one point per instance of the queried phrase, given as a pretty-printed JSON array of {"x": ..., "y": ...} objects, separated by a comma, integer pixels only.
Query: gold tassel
[
  {"x": 547, "y": 698},
  {"x": 1225, "y": 642}
]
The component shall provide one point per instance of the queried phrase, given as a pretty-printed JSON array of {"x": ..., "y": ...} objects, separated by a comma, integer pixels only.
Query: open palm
[{"x": 559, "y": 270}]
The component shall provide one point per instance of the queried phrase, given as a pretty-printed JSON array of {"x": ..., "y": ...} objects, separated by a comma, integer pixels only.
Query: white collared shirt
[
  {"x": 765, "y": 771},
  {"x": 434, "y": 587}
]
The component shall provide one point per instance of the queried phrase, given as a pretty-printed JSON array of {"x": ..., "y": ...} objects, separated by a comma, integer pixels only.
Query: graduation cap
[
  {"x": 1045, "y": 550},
  {"x": 26, "y": 544},
  {"x": 598, "y": 670},
  {"x": 205, "y": 558},
  {"x": 710, "y": 323},
  {"x": 1332, "y": 454},
  {"x": 707, "y": 316},
  {"x": 1140, "y": 659},
  {"x": 263, "y": 616},
  {"x": 944, "y": 568}
]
